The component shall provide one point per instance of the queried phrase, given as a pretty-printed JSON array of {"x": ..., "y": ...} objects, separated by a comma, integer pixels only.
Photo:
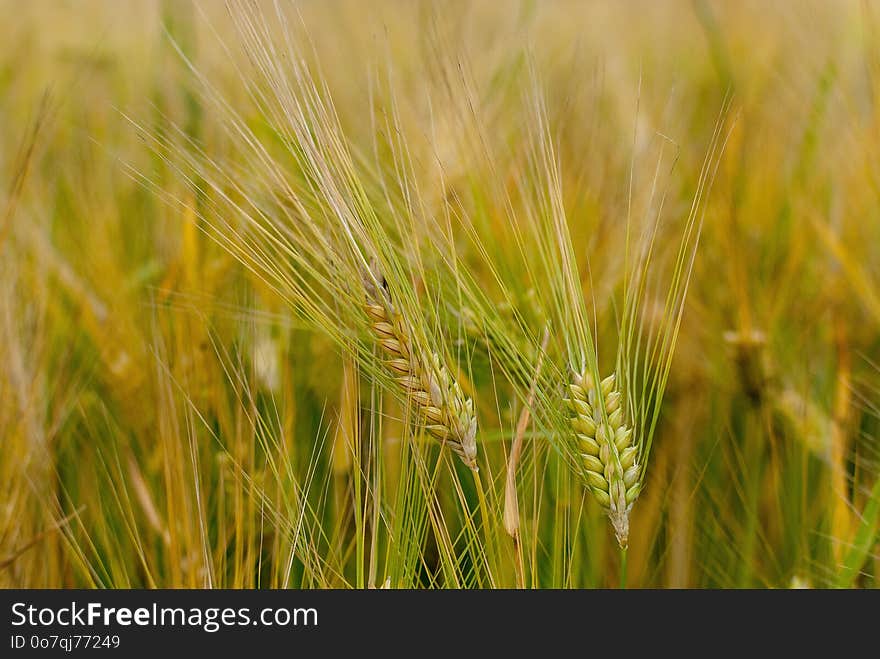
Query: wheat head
[{"x": 605, "y": 444}]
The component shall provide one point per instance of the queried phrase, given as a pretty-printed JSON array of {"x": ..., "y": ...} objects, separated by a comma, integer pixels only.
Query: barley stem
[
  {"x": 518, "y": 562},
  {"x": 484, "y": 514}
]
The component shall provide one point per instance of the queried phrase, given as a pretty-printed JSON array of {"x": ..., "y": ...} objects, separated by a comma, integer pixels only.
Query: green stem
[
  {"x": 623, "y": 568},
  {"x": 484, "y": 514}
]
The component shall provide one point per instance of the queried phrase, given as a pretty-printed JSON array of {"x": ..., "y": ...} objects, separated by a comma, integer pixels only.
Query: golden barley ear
[
  {"x": 605, "y": 443},
  {"x": 447, "y": 414}
]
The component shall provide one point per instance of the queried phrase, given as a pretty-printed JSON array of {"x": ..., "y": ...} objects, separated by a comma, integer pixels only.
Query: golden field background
[{"x": 167, "y": 421}]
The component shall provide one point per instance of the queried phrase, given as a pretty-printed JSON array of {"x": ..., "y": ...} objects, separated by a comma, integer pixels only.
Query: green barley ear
[
  {"x": 448, "y": 415},
  {"x": 608, "y": 432},
  {"x": 605, "y": 442},
  {"x": 307, "y": 218}
]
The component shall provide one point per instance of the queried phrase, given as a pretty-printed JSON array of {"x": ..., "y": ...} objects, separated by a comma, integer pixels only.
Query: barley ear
[
  {"x": 605, "y": 443},
  {"x": 446, "y": 413}
]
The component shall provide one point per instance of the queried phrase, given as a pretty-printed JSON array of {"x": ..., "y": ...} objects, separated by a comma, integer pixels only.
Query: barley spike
[
  {"x": 446, "y": 413},
  {"x": 605, "y": 443}
]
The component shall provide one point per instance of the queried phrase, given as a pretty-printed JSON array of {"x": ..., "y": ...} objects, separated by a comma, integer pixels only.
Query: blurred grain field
[{"x": 169, "y": 419}]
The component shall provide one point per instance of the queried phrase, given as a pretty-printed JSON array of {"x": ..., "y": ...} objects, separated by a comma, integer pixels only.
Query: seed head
[
  {"x": 447, "y": 414},
  {"x": 605, "y": 443}
]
